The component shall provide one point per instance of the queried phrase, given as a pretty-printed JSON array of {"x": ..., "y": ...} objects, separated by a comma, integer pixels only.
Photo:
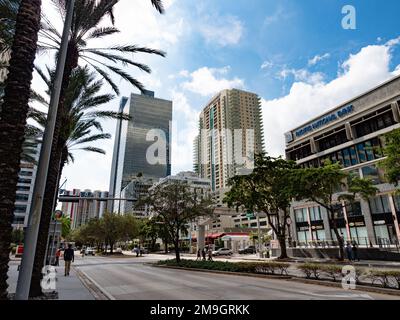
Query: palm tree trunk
[
  {"x": 13, "y": 120},
  {"x": 52, "y": 177}
]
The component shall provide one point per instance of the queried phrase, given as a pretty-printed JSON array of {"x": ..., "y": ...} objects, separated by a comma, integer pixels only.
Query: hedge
[
  {"x": 385, "y": 277},
  {"x": 247, "y": 267},
  {"x": 332, "y": 271}
]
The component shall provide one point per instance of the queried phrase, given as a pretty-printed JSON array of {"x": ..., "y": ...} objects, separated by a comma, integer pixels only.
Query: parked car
[
  {"x": 89, "y": 252},
  {"x": 144, "y": 250},
  {"x": 222, "y": 252},
  {"x": 248, "y": 250}
]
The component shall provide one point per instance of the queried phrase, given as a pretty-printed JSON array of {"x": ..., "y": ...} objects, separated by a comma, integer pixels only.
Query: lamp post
[{"x": 25, "y": 274}]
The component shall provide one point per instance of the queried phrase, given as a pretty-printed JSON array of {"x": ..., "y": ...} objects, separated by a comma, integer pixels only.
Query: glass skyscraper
[{"x": 132, "y": 142}]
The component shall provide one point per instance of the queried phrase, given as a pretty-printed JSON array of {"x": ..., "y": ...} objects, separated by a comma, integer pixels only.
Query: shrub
[
  {"x": 247, "y": 267},
  {"x": 310, "y": 269},
  {"x": 385, "y": 277},
  {"x": 332, "y": 271}
]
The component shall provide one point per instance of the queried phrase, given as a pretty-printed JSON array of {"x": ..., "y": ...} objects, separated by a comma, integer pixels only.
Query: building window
[
  {"x": 301, "y": 215},
  {"x": 333, "y": 140},
  {"x": 22, "y": 180},
  {"x": 354, "y": 210},
  {"x": 315, "y": 214},
  {"x": 373, "y": 173},
  {"x": 22, "y": 197},
  {"x": 26, "y": 173},
  {"x": 19, "y": 220},
  {"x": 20, "y": 209},
  {"x": 375, "y": 123},
  {"x": 22, "y": 188},
  {"x": 300, "y": 153},
  {"x": 379, "y": 205}
]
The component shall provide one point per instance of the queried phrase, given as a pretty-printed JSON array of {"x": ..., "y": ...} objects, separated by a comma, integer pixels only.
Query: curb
[
  {"x": 393, "y": 292},
  {"x": 95, "y": 289}
]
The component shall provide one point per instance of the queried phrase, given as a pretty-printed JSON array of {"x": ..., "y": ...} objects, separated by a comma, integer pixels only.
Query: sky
[{"x": 295, "y": 54}]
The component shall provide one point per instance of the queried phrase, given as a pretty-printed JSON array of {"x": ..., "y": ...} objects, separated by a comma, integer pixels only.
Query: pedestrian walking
[
  {"x": 58, "y": 255},
  {"x": 210, "y": 258},
  {"x": 203, "y": 252},
  {"x": 198, "y": 255},
  {"x": 68, "y": 259},
  {"x": 349, "y": 252},
  {"x": 355, "y": 252}
]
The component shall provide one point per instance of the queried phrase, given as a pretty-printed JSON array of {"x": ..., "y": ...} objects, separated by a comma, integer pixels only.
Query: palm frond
[
  {"x": 127, "y": 77},
  {"x": 158, "y": 5},
  {"x": 109, "y": 115},
  {"x": 93, "y": 149}
]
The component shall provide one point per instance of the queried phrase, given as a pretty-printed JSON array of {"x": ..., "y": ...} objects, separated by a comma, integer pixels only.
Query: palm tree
[
  {"x": 88, "y": 14},
  {"x": 13, "y": 120},
  {"x": 8, "y": 17},
  {"x": 82, "y": 117}
]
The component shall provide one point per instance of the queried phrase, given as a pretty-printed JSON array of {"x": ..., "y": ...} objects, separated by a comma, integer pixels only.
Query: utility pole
[{"x": 25, "y": 273}]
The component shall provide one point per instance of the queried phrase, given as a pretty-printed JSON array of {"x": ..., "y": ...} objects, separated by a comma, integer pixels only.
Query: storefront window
[
  {"x": 303, "y": 236},
  {"x": 382, "y": 234},
  {"x": 360, "y": 235}
]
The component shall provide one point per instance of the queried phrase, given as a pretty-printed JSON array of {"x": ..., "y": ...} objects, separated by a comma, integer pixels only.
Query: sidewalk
[{"x": 68, "y": 288}]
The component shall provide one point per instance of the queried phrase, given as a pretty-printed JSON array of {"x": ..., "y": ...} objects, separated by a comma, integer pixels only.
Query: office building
[
  {"x": 134, "y": 142},
  {"x": 25, "y": 185},
  {"x": 352, "y": 135},
  {"x": 136, "y": 189},
  {"x": 82, "y": 206}
]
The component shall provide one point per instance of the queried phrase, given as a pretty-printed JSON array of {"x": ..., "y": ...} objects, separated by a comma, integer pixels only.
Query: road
[{"x": 132, "y": 279}]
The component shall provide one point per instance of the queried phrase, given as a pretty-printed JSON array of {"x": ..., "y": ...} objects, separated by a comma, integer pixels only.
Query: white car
[
  {"x": 89, "y": 252},
  {"x": 222, "y": 252}
]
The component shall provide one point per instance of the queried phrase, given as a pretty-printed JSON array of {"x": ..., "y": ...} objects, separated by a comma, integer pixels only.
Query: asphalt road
[{"x": 132, "y": 279}]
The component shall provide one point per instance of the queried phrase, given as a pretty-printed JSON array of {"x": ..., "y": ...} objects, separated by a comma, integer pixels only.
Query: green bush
[
  {"x": 310, "y": 269},
  {"x": 333, "y": 271},
  {"x": 247, "y": 267},
  {"x": 385, "y": 277}
]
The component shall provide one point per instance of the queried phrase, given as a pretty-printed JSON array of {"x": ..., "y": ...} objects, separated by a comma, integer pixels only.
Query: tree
[
  {"x": 81, "y": 119},
  {"x": 175, "y": 205},
  {"x": 8, "y": 18},
  {"x": 13, "y": 120},
  {"x": 65, "y": 227},
  {"x": 88, "y": 24},
  {"x": 331, "y": 187},
  {"x": 391, "y": 164},
  {"x": 268, "y": 189}
]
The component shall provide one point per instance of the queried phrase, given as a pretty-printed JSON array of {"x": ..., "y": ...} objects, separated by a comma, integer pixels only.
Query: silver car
[{"x": 222, "y": 252}]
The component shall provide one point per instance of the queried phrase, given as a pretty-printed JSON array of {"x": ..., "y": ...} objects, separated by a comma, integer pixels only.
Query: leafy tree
[
  {"x": 268, "y": 189},
  {"x": 331, "y": 187},
  {"x": 18, "y": 236},
  {"x": 65, "y": 227},
  {"x": 391, "y": 164},
  {"x": 175, "y": 205},
  {"x": 13, "y": 120}
]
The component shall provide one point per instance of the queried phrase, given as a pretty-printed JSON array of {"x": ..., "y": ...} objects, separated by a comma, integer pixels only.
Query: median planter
[
  {"x": 387, "y": 278},
  {"x": 268, "y": 268}
]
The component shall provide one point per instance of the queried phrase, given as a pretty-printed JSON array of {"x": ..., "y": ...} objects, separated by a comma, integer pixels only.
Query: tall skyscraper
[
  {"x": 230, "y": 134},
  {"x": 133, "y": 141}
]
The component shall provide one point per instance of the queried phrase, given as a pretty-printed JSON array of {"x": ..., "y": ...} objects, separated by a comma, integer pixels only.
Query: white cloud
[
  {"x": 222, "y": 30},
  {"x": 186, "y": 117},
  {"x": 301, "y": 75},
  {"x": 208, "y": 81},
  {"x": 308, "y": 99},
  {"x": 318, "y": 58},
  {"x": 267, "y": 65}
]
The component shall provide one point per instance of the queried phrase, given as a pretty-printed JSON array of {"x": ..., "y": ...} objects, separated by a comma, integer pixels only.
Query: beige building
[{"x": 230, "y": 134}]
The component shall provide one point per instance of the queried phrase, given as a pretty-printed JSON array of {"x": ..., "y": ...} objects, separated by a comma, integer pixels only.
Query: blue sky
[{"x": 293, "y": 53}]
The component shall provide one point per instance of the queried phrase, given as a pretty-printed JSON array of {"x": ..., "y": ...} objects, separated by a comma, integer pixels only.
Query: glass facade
[{"x": 136, "y": 138}]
